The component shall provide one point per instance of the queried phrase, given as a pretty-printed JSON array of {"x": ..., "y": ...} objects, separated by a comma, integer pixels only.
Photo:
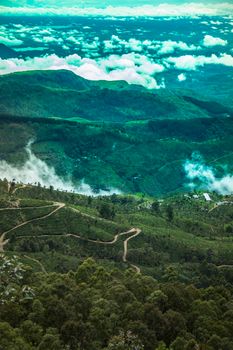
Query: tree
[
  {"x": 178, "y": 344},
  {"x": 125, "y": 341},
  {"x": 155, "y": 206},
  {"x": 51, "y": 340},
  {"x": 162, "y": 346},
  {"x": 10, "y": 339},
  {"x": 107, "y": 212},
  {"x": 170, "y": 212},
  {"x": 32, "y": 332},
  {"x": 72, "y": 333}
]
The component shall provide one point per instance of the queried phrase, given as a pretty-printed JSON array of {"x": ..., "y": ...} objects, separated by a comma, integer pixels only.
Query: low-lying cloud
[
  {"x": 35, "y": 171},
  {"x": 190, "y": 62},
  {"x": 202, "y": 176},
  {"x": 132, "y": 68},
  {"x": 10, "y": 41},
  {"x": 210, "y": 41}
]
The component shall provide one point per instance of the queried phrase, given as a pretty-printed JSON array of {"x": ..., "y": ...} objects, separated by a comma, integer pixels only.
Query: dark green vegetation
[
  {"x": 52, "y": 298},
  {"x": 62, "y": 94},
  {"x": 95, "y": 308},
  {"x": 173, "y": 290},
  {"x": 133, "y": 157},
  {"x": 109, "y": 133}
]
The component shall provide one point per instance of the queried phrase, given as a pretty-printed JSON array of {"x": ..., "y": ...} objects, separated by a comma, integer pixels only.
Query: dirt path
[
  {"x": 3, "y": 242},
  {"x": 2, "y": 237},
  {"x": 36, "y": 261},
  {"x": 134, "y": 232},
  {"x": 18, "y": 188},
  {"x": 224, "y": 266},
  {"x": 217, "y": 205},
  {"x": 137, "y": 232},
  {"x": 27, "y": 208}
]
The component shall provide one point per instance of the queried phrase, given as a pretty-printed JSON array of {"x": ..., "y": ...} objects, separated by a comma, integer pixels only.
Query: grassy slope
[
  {"x": 62, "y": 94},
  {"x": 135, "y": 157},
  {"x": 194, "y": 235}
]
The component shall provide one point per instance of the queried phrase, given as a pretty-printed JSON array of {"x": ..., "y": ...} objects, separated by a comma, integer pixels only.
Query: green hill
[{"x": 62, "y": 94}]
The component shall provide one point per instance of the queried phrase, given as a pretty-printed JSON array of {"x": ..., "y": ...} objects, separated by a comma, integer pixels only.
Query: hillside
[
  {"x": 135, "y": 157},
  {"x": 120, "y": 230},
  {"x": 161, "y": 267},
  {"x": 62, "y": 94},
  {"x": 7, "y": 52}
]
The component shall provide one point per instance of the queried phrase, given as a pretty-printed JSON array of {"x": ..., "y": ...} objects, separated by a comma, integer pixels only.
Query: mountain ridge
[{"x": 63, "y": 94}]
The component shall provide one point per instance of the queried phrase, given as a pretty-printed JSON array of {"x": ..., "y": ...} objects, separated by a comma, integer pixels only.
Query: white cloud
[
  {"x": 133, "y": 68},
  {"x": 189, "y": 62},
  {"x": 181, "y": 77},
  {"x": 135, "y": 45},
  {"x": 204, "y": 177},
  {"x": 185, "y": 9},
  {"x": 170, "y": 46},
  {"x": 35, "y": 170},
  {"x": 210, "y": 41},
  {"x": 10, "y": 41},
  {"x": 25, "y": 49}
]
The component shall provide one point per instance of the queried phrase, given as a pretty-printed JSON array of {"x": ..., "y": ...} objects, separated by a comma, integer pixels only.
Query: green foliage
[
  {"x": 77, "y": 98},
  {"x": 106, "y": 211},
  {"x": 125, "y": 341},
  {"x": 136, "y": 150},
  {"x": 95, "y": 308}
]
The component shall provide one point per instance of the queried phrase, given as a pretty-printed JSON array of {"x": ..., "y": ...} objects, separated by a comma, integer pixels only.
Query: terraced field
[{"x": 59, "y": 229}]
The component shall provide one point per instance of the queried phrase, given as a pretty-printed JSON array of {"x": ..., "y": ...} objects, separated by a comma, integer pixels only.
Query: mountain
[
  {"x": 62, "y": 94},
  {"x": 7, "y": 52}
]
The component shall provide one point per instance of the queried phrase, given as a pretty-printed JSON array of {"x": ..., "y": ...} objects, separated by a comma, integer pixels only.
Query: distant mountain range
[
  {"x": 62, "y": 94},
  {"x": 7, "y": 52}
]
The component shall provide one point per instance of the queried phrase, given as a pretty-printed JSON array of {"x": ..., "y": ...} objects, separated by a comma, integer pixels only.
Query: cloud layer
[
  {"x": 133, "y": 68},
  {"x": 203, "y": 176},
  {"x": 186, "y": 9},
  {"x": 35, "y": 170}
]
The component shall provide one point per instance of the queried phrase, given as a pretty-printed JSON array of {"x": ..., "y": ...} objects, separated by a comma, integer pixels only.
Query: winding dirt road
[
  {"x": 2, "y": 237},
  {"x": 134, "y": 231}
]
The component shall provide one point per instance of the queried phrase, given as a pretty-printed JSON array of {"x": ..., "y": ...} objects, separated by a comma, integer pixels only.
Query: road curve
[{"x": 134, "y": 231}]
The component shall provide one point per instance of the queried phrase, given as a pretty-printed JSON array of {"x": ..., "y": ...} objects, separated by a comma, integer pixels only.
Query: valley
[{"x": 139, "y": 153}]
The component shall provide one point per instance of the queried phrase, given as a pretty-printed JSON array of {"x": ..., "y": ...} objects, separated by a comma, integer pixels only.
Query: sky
[
  {"x": 117, "y": 7},
  {"x": 95, "y": 3},
  {"x": 126, "y": 43}
]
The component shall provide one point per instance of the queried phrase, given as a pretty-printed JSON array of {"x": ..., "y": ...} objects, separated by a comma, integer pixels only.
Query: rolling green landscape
[
  {"x": 70, "y": 262},
  {"x": 116, "y": 175},
  {"x": 136, "y": 151}
]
